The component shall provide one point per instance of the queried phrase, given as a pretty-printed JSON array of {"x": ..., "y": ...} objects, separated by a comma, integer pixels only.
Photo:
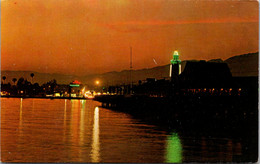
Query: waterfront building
[
  {"x": 207, "y": 78},
  {"x": 202, "y": 74}
]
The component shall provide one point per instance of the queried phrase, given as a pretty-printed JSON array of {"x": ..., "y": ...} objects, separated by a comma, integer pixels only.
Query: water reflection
[
  {"x": 95, "y": 138},
  {"x": 33, "y": 105},
  {"x": 64, "y": 119},
  {"x": 173, "y": 149},
  {"x": 83, "y": 103},
  {"x": 21, "y": 114},
  {"x": 75, "y": 122},
  {"x": 82, "y": 121},
  {"x": 65, "y": 112},
  {"x": 79, "y": 131}
]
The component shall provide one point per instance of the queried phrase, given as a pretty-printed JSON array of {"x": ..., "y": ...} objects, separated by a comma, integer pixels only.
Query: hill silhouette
[
  {"x": 244, "y": 65},
  {"x": 240, "y": 65}
]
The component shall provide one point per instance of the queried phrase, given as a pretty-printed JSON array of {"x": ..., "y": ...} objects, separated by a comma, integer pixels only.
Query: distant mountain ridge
[
  {"x": 244, "y": 65},
  {"x": 240, "y": 65}
]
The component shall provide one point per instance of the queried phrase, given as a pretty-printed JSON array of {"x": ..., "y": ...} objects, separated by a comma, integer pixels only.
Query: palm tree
[
  {"x": 14, "y": 80},
  {"x": 32, "y": 75},
  {"x": 4, "y": 77}
]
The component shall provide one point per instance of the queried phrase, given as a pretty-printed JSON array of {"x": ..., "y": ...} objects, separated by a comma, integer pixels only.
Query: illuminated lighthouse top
[{"x": 175, "y": 59}]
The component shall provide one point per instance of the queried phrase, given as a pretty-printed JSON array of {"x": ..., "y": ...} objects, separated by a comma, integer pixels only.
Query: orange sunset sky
[{"x": 82, "y": 37}]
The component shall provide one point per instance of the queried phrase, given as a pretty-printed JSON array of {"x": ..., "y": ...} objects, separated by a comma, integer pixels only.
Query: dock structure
[
  {"x": 203, "y": 111},
  {"x": 110, "y": 101}
]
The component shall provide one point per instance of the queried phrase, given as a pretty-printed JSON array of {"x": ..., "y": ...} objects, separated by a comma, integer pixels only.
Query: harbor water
[{"x": 62, "y": 130}]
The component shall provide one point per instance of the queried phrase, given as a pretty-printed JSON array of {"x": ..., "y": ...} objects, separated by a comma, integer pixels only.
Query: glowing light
[
  {"x": 56, "y": 94},
  {"x": 89, "y": 95},
  {"x": 97, "y": 82},
  {"x": 95, "y": 138},
  {"x": 4, "y": 93},
  {"x": 83, "y": 90},
  {"x": 170, "y": 70},
  {"x": 174, "y": 149},
  {"x": 176, "y": 53},
  {"x": 74, "y": 85},
  {"x": 175, "y": 59},
  {"x": 76, "y": 82},
  {"x": 73, "y": 95}
]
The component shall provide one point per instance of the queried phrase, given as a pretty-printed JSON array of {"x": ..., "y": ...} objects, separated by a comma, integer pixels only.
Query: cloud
[
  {"x": 161, "y": 23},
  {"x": 119, "y": 28},
  {"x": 134, "y": 26}
]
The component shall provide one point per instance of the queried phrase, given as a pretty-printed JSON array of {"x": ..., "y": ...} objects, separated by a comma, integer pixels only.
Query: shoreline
[{"x": 29, "y": 97}]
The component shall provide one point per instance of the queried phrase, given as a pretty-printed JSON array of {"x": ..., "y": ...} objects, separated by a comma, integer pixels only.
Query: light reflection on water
[
  {"x": 174, "y": 149},
  {"x": 43, "y": 130},
  {"x": 21, "y": 114},
  {"x": 95, "y": 139}
]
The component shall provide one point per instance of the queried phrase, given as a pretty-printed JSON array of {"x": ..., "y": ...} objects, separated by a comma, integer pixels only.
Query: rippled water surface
[{"x": 43, "y": 130}]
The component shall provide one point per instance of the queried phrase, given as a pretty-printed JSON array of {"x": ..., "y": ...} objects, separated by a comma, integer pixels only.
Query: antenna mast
[{"x": 131, "y": 67}]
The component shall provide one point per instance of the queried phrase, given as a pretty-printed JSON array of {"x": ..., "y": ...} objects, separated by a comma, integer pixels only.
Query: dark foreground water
[{"x": 43, "y": 130}]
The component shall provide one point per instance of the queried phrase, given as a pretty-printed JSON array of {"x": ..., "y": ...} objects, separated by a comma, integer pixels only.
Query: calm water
[{"x": 43, "y": 130}]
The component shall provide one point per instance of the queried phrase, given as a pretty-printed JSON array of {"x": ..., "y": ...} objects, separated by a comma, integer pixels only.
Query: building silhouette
[{"x": 202, "y": 74}]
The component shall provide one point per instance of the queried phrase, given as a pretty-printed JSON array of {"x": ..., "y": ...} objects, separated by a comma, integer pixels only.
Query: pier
[{"x": 188, "y": 111}]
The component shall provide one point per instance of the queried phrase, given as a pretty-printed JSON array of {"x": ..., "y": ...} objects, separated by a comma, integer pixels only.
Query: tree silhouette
[
  {"x": 50, "y": 86},
  {"x": 4, "y": 78},
  {"x": 14, "y": 80},
  {"x": 32, "y": 75},
  {"x": 20, "y": 84},
  {"x": 20, "y": 81}
]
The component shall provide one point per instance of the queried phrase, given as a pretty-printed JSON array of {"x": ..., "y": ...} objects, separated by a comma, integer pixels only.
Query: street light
[{"x": 97, "y": 82}]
